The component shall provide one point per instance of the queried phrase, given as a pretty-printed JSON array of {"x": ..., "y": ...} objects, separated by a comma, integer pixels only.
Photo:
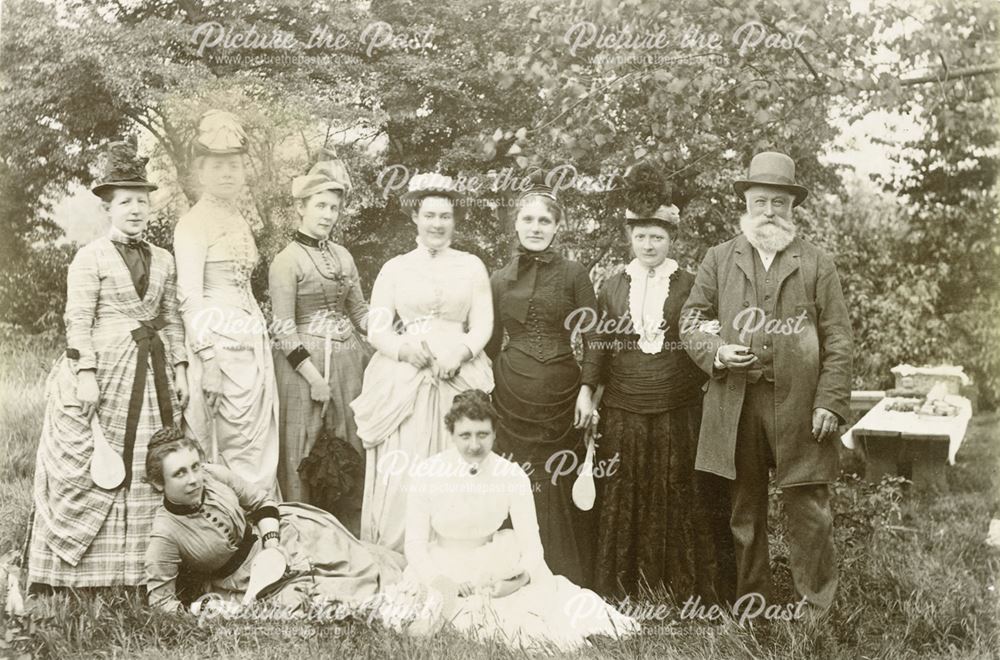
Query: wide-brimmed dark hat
[
  {"x": 121, "y": 167},
  {"x": 770, "y": 168},
  {"x": 220, "y": 133},
  {"x": 428, "y": 184}
]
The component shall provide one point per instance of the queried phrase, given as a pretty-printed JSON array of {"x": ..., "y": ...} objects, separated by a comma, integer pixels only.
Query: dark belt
[
  {"x": 147, "y": 338},
  {"x": 240, "y": 556}
]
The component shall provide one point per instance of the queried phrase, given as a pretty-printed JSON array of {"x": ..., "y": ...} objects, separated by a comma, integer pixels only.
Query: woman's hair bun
[
  {"x": 472, "y": 396},
  {"x": 165, "y": 435},
  {"x": 470, "y": 404}
]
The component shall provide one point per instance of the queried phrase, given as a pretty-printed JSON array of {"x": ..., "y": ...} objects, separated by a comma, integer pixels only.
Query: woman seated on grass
[
  {"x": 492, "y": 582},
  {"x": 206, "y": 531}
]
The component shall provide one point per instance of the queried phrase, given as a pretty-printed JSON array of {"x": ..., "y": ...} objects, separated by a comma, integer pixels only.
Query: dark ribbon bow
[
  {"x": 524, "y": 276},
  {"x": 147, "y": 338}
]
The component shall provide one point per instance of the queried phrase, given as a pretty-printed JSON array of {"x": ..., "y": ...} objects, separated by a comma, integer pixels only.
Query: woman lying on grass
[{"x": 206, "y": 533}]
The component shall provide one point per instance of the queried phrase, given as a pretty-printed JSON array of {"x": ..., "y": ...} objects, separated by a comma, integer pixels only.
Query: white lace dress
[{"x": 453, "y": 536}]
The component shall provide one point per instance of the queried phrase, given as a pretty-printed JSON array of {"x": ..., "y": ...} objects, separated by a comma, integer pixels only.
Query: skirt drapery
[
  {"x": 536, "y": 402},
  {"x": 244, "y": 429},
  {"x": 400, "y": 418}
]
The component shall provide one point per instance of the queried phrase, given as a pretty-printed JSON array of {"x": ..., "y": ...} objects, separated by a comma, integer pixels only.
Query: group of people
[{"x": 460, "y": 391}]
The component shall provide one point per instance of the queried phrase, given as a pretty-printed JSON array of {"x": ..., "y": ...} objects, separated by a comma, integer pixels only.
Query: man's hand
[
  {"x": 735, "y": 356},
  {"x": 825, "y": 424}
]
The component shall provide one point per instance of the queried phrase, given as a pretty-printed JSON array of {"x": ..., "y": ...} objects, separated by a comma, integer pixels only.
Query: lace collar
[{"x": 647, "y": 293}]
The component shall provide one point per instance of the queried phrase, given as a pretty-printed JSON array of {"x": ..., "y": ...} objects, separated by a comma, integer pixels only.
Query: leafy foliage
[{"x": 491, "y": 89}]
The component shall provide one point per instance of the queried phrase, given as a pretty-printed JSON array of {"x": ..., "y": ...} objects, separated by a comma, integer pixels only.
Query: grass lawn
[{"x": 916, "y": 579}]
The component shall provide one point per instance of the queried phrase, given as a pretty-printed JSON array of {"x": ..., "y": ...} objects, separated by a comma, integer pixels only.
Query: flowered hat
[
  {"x": 329, "y": 173},
  {"x": 121, "y": 167},
  {"x": 220, "y": 133},
  {"x": 648, "y": 196}
]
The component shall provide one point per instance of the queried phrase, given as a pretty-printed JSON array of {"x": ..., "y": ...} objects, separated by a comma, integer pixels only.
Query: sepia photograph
[{"x": 499, "y": 329}]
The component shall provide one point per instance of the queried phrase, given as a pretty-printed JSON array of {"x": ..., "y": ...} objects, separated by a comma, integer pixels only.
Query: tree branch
[{"x": 951, "y": 74}]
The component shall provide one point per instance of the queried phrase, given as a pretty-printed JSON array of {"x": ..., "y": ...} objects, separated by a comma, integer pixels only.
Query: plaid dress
[
  {"x": 316, "y": 297},
  {"x": 83, "y": 535}
]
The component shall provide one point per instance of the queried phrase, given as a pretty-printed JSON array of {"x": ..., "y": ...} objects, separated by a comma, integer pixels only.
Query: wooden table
[{"x": 907, "y": 444}]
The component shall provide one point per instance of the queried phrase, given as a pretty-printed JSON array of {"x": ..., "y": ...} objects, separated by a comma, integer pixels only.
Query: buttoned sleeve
[
  {"x": 354, "y": 302},
  {"x": 524, "y": 519},
  {"x": 174, "y": 330},
  {"x": 585, "y": 304},
  {"x": 190, "y": 253},
  {"x": 163, "y": 564},
  {"x": 256, "y": 502},
  {"x": 495, "y": 343},
  {"x": 418, "y": 532},
  {"x": 595, "y": 369},
  {"x": 382, "y": 314},
  {"x": 83, "y": 288},
  {"x": 283, "y": 285}
]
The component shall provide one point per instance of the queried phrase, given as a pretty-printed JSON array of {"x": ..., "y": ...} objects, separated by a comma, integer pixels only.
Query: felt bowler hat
[
  {"x": 770, "y": 168},
  {"x": 121, "y": 167}
]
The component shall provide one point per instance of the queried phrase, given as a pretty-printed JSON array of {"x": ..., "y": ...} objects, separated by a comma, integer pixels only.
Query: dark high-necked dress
[
  {"x": 537, "y": 381},
  {"x": 660, "y": 524}
]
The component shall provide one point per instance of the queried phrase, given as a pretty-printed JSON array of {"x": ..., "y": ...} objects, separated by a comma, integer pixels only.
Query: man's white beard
[{"x": 771, "y": 237}]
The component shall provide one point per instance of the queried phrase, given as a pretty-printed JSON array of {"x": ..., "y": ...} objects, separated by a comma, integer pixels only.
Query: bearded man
[{"x": 766, "y": 320}]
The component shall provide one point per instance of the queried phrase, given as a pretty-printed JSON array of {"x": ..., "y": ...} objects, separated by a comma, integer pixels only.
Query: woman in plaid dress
[{"x": 125, "y": 363}]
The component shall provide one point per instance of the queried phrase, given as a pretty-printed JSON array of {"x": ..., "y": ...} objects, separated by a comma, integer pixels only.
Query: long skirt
[
  {"x": 326, "y": 563},
  {"x": 82, "y": 535},
  {"x": 244, "y": 429},
  {"x": 301, "y": 425},
  {"x": 549, "y": 613},
  {"x": 662, "y": 525},
  {"x": 400, "y": 417},
  {"x": 536, "y": 401}
]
